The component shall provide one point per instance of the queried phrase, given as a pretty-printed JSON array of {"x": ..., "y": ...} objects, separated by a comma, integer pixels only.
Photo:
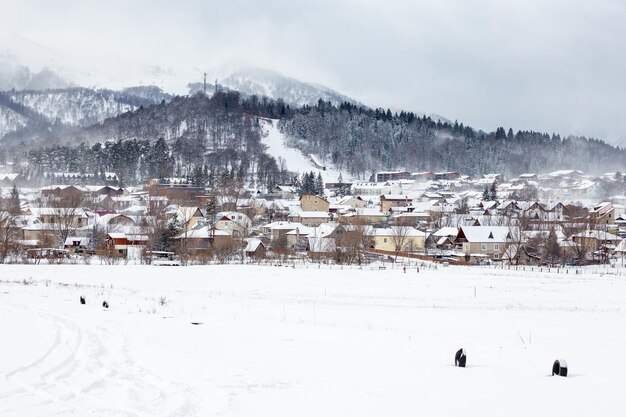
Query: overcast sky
[{"x": 542, "y": 65}]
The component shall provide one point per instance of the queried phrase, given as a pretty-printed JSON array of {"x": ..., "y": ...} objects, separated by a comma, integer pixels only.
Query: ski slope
[
  {"x": 279, "y": 341},
  {"x": 296, "y": 161}
]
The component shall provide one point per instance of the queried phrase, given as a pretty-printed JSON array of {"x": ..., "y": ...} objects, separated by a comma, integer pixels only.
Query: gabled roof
[
  {"x": 253, "y": 244},
  {"x": 496, "y": 234}
]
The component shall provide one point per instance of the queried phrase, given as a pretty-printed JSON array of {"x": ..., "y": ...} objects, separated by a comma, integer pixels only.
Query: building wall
[
  {"x": 490, "y": 249},
  {"x": 313, "y": 203},
  {"x": 386, "y": 243},
  {"x": 313, "y": 221},
  {"x": 385, "y": 205}
]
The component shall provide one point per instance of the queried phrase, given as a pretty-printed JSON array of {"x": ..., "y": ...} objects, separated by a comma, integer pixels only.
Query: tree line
[{"x": 363, "y": 141}]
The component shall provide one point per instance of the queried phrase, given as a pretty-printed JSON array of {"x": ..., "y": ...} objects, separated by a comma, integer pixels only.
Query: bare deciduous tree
[
  {"x": 9, "y": 231},
  {"x": 399, "y": 236},
  {"x": 356, "y": 241},
  {"x": 67, "y": 217}
]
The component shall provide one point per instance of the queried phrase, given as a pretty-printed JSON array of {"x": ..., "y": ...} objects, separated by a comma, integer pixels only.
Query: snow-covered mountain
[
  {"x": 263, "y": 82},
  {"x": 10, "y": 120},
  {"x": 74, "y": 107},
  {"x": 16, "y": 76},
  {"x": 70, "y": 107}
]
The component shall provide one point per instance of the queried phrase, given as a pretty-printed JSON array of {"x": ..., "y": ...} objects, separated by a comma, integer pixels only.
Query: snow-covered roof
[
  {"x": 446, "y": 231},
  {"x": 201, "y": 233},
  {"x": 485, "y": 233},
  {"x": 321, "y": 244},
  {"x": 597, "y": 234},
  {"x": 9, "y": 177},
  {"x": 253, "y": 244},
  {"x": 302, "y": 231},
  {"x": 283, "y": 225},
  {"x": 399, "y": 231},
  {"x": 52, "y": 211}
]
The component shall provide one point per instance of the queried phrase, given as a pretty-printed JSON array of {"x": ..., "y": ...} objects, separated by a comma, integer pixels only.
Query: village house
[
  {"x": 38, "y": 234},
  {"x": 70, "y": 215},
  {"x": 392, "y": 176},
  {"x": 485, "y": 240},
  {"x": 310, "y": 218},
  {"x": 595, "y": 240},
  {"x": 203, "y": 238},
  {"x": 278, "y": 231},
  {"x": 422, "y": 176},
  {"x": 255, "y": 248},
  {"x": 412, "y": 218},
  {"x": 234, "y": 223},
  {"x": 602, "y": 214},
  {"x": 363, "y": 216},
  {"x": 408, "y": 238},
  {"x": 189, "y": 216},
  {"x": 284, "y": 192},
  {"x": 374, "y": 188},
  {"x": 73, "y": 243},
  {"x": 122, "y": 242},
  {"x": 310, "y": 202},
  {"x": 387, "y": 201},
  {"x": 352, "y": 201}
]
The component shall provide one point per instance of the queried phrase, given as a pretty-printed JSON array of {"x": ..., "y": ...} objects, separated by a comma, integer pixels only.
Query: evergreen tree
[
  {"x": 308, "y": 183},
  {"x": 14, "y": 202},
  {"x": 486, "y": 194},
  {"x": 319, "y": 184},
  {"x": 493, "y": 192},
  {"x": 211, "y": 212},
  {"x": 340, "y": 186},
  {"x": 510, "y": 135}
]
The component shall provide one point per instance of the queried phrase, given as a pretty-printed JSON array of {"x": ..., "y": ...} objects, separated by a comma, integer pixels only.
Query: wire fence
[{"x": 603, "y": 269}]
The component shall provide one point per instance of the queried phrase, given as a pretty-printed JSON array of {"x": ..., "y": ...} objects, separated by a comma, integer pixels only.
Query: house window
[
  {"x": 496, "y": 246},
  {"x": 483, "y": 247},
  {"x": 496, "y": 256},
  {"x": 384, "y": 240}
]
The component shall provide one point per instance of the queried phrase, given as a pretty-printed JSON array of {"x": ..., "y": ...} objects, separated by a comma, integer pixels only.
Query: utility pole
[
  {"x": 205, "y": 83},
  {"x": 216, "y": 85}
]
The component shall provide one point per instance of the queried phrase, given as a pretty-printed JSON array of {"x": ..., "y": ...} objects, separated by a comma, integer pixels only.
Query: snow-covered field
[{"x": 276, "y": 341}]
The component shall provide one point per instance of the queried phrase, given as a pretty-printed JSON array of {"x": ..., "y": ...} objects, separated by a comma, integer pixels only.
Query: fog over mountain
[
  {"x": 263, "y": 82},
  {"x": 548, "y": 66}
]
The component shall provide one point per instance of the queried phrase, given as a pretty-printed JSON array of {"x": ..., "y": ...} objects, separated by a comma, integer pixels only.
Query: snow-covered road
[{"x": 277, "y": 341}]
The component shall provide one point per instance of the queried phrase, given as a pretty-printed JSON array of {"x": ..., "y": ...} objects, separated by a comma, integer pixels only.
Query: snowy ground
[
  {"x": 296, "y": 161},
  {"x": 315, "y": 342}
]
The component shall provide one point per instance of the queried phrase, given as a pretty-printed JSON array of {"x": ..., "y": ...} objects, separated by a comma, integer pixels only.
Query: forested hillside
[
  {"x": 203, "y": 138},
  {"x": 363, "y": 141},
  {"x": 198, "y": 137}
]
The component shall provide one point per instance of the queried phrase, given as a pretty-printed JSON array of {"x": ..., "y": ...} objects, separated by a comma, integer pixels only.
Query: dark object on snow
[
  {"x": 460, "y": 358},
  {"x": 559, "y": 367},
  {"x": 196, "y": 323},
  {"x": 105, "y": 304},
  {"x": 82, "y": 299}
]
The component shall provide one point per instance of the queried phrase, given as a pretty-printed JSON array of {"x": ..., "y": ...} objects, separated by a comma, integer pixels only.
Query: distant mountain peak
[{"x": 272, "y": 84}]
